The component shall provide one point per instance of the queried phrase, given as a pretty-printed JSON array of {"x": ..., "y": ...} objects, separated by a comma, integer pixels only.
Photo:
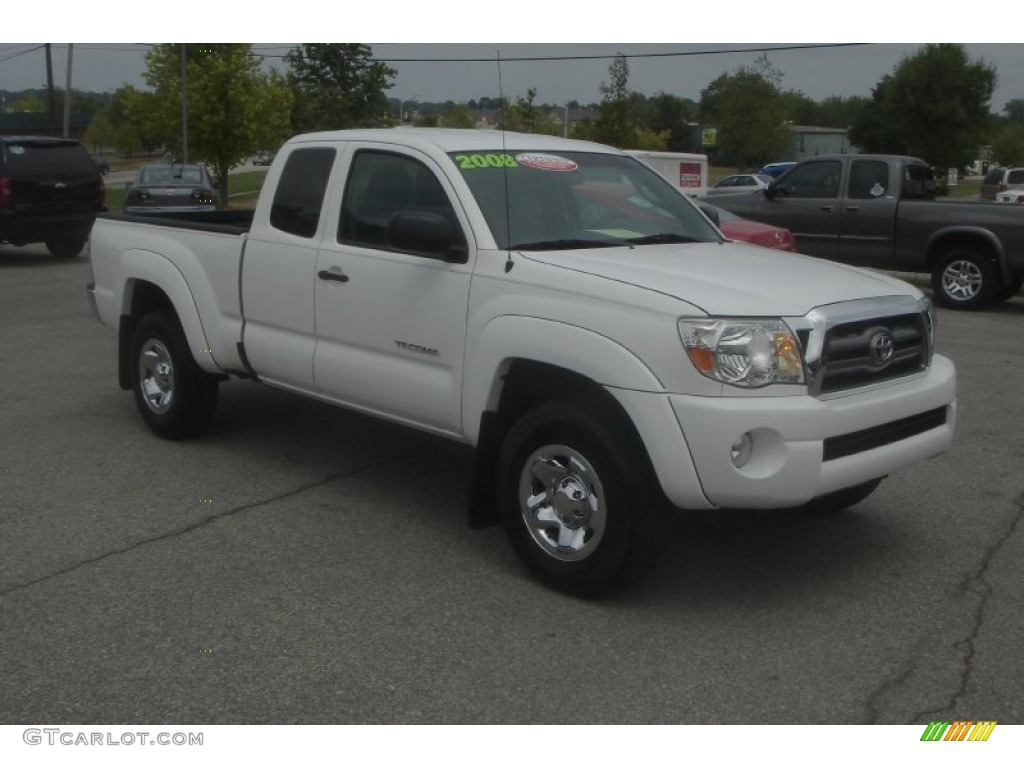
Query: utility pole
[
  {"x": 67, "y": 94},
  {"x": 51, "y": 97},
  {"x": 184, "y": 107}
]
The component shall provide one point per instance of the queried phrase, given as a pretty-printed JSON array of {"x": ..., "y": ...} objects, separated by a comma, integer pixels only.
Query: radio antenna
[{"x": 504, "y": 149}]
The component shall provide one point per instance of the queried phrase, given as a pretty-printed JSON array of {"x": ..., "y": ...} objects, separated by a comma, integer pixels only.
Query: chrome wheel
[
  {"x": 156, "y": 376},
  {"x": 962, "y": 280},
  {"x": 562, "y": 503}
]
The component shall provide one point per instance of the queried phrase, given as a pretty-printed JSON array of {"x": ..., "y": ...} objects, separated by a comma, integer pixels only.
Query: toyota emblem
[{"x": 881, "y": 346}]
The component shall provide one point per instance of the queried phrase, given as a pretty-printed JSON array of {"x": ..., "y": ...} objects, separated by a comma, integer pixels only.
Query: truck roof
[
  {"x": 455, "y": 139},
  {"x": 904, "y": 158}
]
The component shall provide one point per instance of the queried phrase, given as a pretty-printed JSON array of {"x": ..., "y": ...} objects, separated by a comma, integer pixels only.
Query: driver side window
[
  {"x": 818, "y": 178},
  {"x": 381, "y": 184}
]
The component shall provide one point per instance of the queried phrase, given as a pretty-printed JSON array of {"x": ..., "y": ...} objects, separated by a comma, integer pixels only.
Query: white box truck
[{"x": 687, "y": 171}]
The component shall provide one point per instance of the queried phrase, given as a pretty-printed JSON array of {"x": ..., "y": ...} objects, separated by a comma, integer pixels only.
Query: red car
[{"x": 747, "y": 231}]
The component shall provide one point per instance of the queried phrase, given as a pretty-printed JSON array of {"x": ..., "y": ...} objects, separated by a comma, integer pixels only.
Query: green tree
[
  {"x": 134, "y": 116},
  {"x": 798, "y": 109},
  {"x": 672, "y": 114},
  {"x": 526, "y": 116},
  {"x": 458, "y": 116},
  {"x": 30, "y": 102},
  {"x": 234, "y": 109},
  {"x": 840, "y": 111},
  {"x": 101, "y": 132},
  {"x": 338, "y": 85},
  {"x": 1008, "y": 144},
  {"x": 749, "y": 113},
  {"x": 1014, "y": 110},
  {"x": 615, "y": 124},
  {"x": 934, "y": 105}
]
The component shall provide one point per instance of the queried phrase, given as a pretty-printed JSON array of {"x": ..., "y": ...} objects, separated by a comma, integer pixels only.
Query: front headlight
[
  {"x": 742, "y": 352},
  {"x": 928, "y": 313}
]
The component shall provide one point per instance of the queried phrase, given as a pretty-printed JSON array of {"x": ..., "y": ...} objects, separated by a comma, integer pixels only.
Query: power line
[
  {"x": 582, "y": 57},
  {"x": 24, "y": 53}
]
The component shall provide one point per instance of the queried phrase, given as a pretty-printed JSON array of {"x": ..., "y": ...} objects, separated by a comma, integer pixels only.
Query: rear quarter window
[
  {"x": 1016, "y": 176},
  {"x": 299, "y": 196}
]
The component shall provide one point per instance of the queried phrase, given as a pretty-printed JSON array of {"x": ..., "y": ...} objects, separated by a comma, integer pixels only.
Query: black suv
[{"x": 50, "y": 192}]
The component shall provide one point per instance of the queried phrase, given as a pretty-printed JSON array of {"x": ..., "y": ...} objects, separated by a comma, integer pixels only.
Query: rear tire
[
  {"x": 578, "y": 502},
  {"x": 66, "y": 246},
  {"x": 964, "y": 278},
  {"x": 175, "y": 397}
]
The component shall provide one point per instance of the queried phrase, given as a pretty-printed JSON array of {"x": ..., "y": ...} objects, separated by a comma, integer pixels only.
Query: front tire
[
  {"x": 175, "y": 397},
  {"x": 577, "y": 502},
  {"x": 964, "y": 278}
]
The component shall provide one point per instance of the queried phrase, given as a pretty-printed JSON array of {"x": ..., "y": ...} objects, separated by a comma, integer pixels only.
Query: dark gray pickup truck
[{"x": 880, "y": 211}]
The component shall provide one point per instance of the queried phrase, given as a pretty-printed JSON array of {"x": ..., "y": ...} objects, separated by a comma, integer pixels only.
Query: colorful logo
[{"x": 959, "y": 730}]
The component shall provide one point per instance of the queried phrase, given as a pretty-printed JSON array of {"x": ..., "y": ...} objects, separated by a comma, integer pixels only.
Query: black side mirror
[
  {"x": 428, "y": 234},
  {"x": 710, "y": 212}
]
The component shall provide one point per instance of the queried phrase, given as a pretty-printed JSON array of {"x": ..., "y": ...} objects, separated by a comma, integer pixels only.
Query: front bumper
[{"x": 802, "y": 447}]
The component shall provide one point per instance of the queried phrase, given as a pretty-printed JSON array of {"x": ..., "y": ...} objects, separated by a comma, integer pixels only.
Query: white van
[{"x": 686, "y": 170}]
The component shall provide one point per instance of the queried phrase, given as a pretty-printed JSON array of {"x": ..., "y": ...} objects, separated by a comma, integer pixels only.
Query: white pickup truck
[{"x": 555, "y": 304}]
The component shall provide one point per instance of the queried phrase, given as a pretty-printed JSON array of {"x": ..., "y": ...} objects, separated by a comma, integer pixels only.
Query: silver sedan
[{"x": 740, "y": 182}]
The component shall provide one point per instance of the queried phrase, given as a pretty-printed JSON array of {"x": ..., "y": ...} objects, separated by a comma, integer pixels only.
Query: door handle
[
  {"x": 853, "y": 208},
  {"x": 828, "y": 208},
  {"x": 339, "y": 276}
]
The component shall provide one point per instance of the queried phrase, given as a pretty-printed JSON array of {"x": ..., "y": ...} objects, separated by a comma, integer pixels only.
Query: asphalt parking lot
[{"x": 302, "y": 564}]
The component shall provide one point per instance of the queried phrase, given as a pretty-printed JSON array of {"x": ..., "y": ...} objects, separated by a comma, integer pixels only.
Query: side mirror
[
  {"x": 427, "y": 234},
  {"x": 710, "y": 212}
]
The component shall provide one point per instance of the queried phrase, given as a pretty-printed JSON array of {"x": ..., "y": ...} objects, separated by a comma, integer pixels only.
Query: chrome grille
[
  {"x": 863, "y": 342},
  {"x": 850, "y": 359}
]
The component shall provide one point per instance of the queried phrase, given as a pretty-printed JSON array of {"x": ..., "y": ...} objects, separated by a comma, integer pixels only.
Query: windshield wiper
[
  {"x": 662, "y": 237},
  {"x": 564, "y": 244}
]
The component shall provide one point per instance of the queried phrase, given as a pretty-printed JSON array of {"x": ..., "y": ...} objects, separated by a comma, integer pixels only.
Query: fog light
[{"x": 740, "y": 450}]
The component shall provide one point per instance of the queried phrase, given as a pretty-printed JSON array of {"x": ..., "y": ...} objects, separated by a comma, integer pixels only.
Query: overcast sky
[{"x": 820, "y": 73}]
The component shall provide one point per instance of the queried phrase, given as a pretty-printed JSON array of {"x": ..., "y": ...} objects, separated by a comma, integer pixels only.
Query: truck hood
[{"x": 730, "y": 278}]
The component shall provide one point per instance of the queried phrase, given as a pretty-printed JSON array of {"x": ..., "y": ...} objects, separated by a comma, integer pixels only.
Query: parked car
[
  {"x": 1000, "y": 180},
  {"x": 50, "y": 192},
  {"x": 263, "y": 158},
  {"x": 101, "y": 164},
  {"x": 1012, "y": 195},
  {"x": 880, "y": 211},
  {"x": 749, "y": 231},
  {"x": 774, "y": 170},
  {"x": 160, "y": 188},
  {"x": 741, "y": 182}
]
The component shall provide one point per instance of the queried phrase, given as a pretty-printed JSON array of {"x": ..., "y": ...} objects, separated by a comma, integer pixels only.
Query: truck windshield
[{"x": 563, "y": 200}]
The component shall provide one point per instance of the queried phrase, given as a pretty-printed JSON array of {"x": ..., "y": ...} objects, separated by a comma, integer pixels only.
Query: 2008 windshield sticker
[
  {"x": 490, "y": 160},
  {"x": 545, "y": 162},
  {"x": 537, "y": 160}
]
